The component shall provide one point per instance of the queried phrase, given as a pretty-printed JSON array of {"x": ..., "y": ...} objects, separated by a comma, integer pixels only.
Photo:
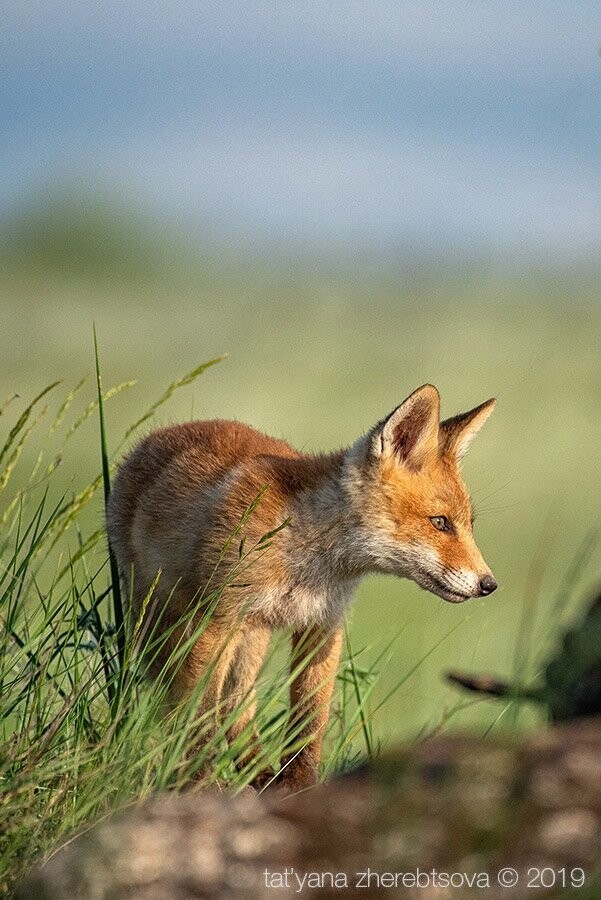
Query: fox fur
[{"x": 393, "y": 502}]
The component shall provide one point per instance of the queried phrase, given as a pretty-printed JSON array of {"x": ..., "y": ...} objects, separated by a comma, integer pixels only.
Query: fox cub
[{"x": 393, "y": 502}]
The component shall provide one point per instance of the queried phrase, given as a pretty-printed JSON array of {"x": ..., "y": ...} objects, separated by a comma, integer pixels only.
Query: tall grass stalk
[{"x": 106, "y": 481}]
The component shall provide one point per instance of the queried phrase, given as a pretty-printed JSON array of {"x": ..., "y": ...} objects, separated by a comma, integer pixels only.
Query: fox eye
[{"x": 440, "y": 522}]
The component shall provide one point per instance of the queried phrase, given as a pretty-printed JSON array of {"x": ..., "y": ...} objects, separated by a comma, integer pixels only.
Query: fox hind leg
[
  {"x": 239, "y": 696},
  {"x": 315, "y": 657},
  {"x": 210, "y": 660}
]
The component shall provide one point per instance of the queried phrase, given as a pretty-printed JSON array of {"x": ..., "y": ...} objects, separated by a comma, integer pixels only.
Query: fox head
[{"x": 415, "y": 511}]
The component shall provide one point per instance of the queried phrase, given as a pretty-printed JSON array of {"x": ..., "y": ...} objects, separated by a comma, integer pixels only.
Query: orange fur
[{"x": 184, "y": 491}]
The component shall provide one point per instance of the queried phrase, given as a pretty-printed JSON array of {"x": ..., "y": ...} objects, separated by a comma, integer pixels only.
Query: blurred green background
[
  {"x": 318, "y": 353},
  {"x": 350, "y": 201}
]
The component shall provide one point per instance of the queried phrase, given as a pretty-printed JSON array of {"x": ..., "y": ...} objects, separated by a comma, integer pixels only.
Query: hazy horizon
[{"x": 323, "y": 127}]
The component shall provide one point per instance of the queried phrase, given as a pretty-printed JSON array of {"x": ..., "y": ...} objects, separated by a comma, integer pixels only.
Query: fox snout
[
  {"x": 457, "y": 586},
  {"x": 468, "y": 586},
  {"x": 452, "y": 584}
]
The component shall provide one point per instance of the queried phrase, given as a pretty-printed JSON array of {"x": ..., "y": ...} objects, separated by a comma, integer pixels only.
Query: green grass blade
[
  {"x": 174, "y": 386},
  {"x": 23, "y": 419},
  {"x": 106, "y": 481}
]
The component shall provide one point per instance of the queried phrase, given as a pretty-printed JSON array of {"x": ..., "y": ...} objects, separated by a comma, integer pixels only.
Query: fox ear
[
  {"x": 410, "y": 433},
  {"x": 457, "y": 434}
]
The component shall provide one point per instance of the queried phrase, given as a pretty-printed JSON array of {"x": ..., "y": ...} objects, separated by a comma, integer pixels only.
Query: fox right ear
[
  {"x": 410, "y": 433},
  {"x": 457, "y": 433}
]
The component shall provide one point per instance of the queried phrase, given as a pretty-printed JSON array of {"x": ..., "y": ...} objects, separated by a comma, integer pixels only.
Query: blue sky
[{"x": 336, "y": 123}]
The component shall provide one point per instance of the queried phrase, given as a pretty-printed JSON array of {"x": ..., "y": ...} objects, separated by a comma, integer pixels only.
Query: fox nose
[{"x": 487, "y": 585}]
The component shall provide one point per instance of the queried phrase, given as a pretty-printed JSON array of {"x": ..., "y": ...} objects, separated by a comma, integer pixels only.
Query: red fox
[{"x": 393, "y": 502}]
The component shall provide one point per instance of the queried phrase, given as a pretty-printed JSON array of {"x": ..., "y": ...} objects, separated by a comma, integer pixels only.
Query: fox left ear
[
  {"x": 457, "y": 434},
  {"x": 410, "y": 433}
]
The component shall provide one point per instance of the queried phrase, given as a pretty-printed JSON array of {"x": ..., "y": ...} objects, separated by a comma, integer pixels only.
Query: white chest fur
[{"x": 302, "y": 605}]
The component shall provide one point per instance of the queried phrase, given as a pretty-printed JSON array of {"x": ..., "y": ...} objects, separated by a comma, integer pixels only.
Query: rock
[{"x": 452, "y": 804}]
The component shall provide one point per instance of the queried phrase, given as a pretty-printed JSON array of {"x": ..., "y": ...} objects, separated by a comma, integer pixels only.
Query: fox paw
[{"x": 264, "y": 780}]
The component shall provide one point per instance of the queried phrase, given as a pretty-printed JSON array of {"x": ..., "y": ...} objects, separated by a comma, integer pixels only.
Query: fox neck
[{"x": 327, "y": 542}]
